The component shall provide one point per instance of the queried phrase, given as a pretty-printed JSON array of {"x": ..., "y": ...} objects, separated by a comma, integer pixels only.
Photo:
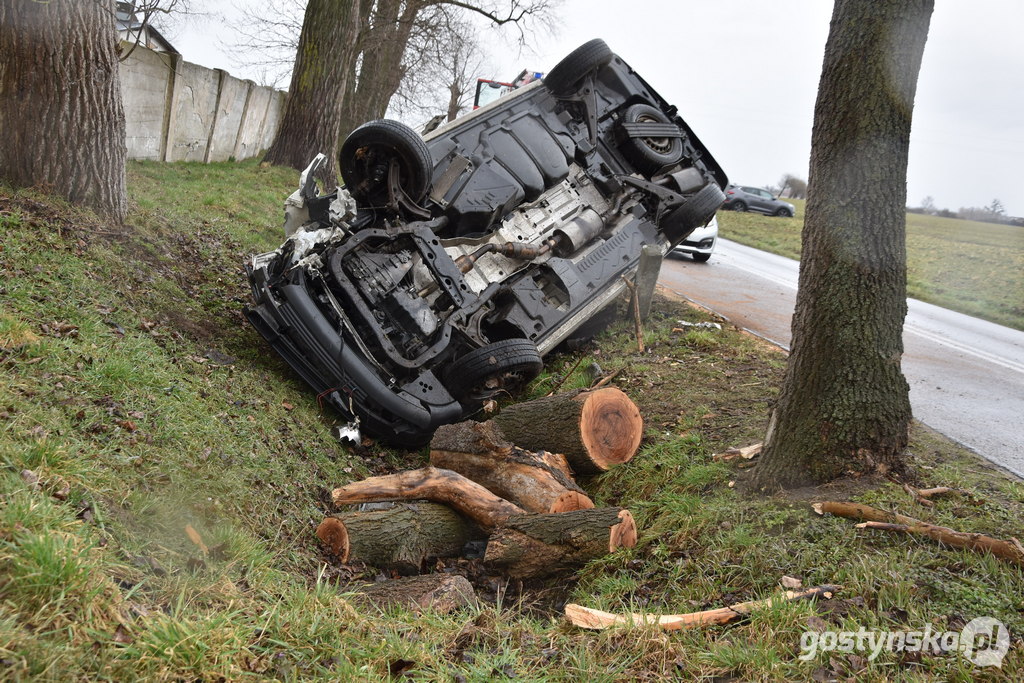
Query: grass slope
[
  {"x": 967, "y": 266},
  {"x": 136, "y": 405}
]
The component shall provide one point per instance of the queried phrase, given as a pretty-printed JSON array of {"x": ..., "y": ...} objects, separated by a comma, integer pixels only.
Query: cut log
[
  {"x": 584, "y": 617},
  {"x": 404, "y": 538},
  {"x": 443, "y": 593},
  {"x": 431, "y": 483},
  {"x": 479, "y": 452},
  {"x": 880, "y": 519},
  {"x": 535, "y": 545},
  {"x": 595, "y": 430}
]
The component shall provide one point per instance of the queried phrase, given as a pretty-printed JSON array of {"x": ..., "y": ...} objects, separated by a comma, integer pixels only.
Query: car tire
[
  {"x": 650, "y": 155},
  {"x": 370, "y": 148},
  {"x": 697, "y": 211},
  {"x": 738, "y": 206},
  {"x": 564, "y": 78},
  {"x": 784, "y": 213},
  {"x": 503, "y": 366},
  {"x": 701, "y": 258}
]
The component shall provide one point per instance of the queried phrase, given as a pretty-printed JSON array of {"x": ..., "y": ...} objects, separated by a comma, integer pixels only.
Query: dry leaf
[
  {"x": 791, "y": 582},
  {"x": 194, "y": 536}
]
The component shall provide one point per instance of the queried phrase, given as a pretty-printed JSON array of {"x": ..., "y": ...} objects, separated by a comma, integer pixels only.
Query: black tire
[
  {"x": 567, "y": 74},
  {"x": 502, "y": 367},
  {"x": 650, "y": 155},
  {"x": 701, "y": 258},
  {"x": 784, "y": 213},
  {"x": 697, "y": 211},
  {"x": 367, "y": 152},
  {"x": 738, "y": 206}
]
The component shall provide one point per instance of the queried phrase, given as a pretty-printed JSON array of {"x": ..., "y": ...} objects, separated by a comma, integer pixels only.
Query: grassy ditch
[
  {"x": 966, "y": 266},
  {"x": 136, "y": 404}
]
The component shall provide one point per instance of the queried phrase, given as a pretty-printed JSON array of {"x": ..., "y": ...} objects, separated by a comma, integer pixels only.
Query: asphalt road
[{"x": 966, "y": 375}]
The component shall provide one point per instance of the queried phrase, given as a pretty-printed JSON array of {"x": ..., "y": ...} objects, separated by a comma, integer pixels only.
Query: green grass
[
  {"x": 135, "y": 402},
  {"x": 967, "y": 266}
]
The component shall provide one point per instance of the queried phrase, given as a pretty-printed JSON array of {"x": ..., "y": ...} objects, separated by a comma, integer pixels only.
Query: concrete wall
[{"x": 179, "y": 111}]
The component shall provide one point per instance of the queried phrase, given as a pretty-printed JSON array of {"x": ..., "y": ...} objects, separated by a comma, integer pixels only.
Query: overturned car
[{"x": 449, "y": 265}]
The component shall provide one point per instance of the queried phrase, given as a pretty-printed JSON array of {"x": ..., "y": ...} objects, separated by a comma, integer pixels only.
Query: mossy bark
[
  {"x": 60, "y": 102},
  {"x": 844, "y": 405},
  {"x": 325, "y": 62}
]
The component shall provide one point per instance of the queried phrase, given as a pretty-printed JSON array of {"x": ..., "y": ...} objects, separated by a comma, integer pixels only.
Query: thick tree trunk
[
  {"x": 403, "y": 538},
  {"x": 594, "y": 429},
  {"x": 324, "y": 63},
  {"x": 537, "y": 545},
  {"x": 478, "y": 452},
  {"x": 844, "y": 403},
  {"x": 60, "y": 102}
]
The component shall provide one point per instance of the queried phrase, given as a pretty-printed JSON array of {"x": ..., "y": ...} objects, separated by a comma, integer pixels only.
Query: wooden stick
[
  {"x": 434, "y": 484},
  {"x": 637, "y": 324},
  {"x": 1006, "y": 550},
  {"x": 584, "y": 617}
]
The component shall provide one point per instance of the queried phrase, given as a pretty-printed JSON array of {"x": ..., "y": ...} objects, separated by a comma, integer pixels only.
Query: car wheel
[
  {"x": 650, "y": 154},
  {"x": 738, "y": 206},
  {"x": 502, "y": 367},
  {"x": 784, "y": 212},
  {"x": 366, "y": 156},
  {"x": 567, "y": 74},
  {"x": 697, "y": 211},
  {"x": 701, "y": 258}
]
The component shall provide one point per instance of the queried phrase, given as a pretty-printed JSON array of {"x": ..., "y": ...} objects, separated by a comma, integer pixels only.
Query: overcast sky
[{"x": 744, "y": 74}]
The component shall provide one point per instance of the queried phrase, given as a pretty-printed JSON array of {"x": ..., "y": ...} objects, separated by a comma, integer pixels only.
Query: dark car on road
[
  {"x": 744, "y": 198},
  {"x": 448, "y": 266}
]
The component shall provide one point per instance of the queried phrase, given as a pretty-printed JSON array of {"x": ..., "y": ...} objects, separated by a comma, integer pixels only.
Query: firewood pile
[{"x": 509, "y": 483}]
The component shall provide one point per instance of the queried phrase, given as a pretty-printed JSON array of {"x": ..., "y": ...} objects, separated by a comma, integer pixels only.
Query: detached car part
[{"x": 447, "y": 266}]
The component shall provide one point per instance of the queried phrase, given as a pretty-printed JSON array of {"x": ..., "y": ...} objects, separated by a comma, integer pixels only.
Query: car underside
[{"x": 446, "y": 267}]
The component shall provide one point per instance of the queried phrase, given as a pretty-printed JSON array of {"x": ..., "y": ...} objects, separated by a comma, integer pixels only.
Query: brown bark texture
[
  {"x": 535, "y": 545},
  {"x": 442, "y": 593},
  {"x": 405, "y": 537},
  {"x": 595, "y": 430},
  {"x": 844, "y": 405},
  {"x": 434, "y": 484},
  {"x": 476, "y": 451},
  {"x": 60, "y": 102},
  {"x": 1010, "y": 551},
  {"x": 324, "y": 64}
]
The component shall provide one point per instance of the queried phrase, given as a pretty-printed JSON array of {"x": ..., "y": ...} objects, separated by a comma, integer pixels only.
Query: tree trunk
[
  {"x": 324, "y": 63},
  {"x": 403, "y": 538},
  {"x": 594, "y": 429},
  {"x": 60, "y": 102},
  {"x": 477, "y": 451},
  {"x": 844, "y": 403},
  {"x": 537, "y": 545}
]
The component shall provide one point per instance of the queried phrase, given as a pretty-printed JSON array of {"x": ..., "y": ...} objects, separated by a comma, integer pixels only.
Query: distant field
[{"x": 970, "y": 267}]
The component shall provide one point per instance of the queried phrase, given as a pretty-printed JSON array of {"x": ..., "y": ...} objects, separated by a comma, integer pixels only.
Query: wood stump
[
  {"x": 535, "y": 545},
  {"x": 594, "y": 429},
  {"x": 443, "y": 593},
  {"x": 404, "y": 538}
]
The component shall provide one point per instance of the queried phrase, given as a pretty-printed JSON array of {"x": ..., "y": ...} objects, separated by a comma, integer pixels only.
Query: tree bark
[
  {"x": 478, "y": 452},
  {"x": 324, "y": 63},
  {"x": 594, "y": 429},
  {"x": 60, "y": 102},
  {"x": 403, "y": 538},
  {"x": 844, "y": 405},
  {"x": 442, "y": 593},
  {"x": 431, "y": 483},
  {"x": 535, "y": 545}
]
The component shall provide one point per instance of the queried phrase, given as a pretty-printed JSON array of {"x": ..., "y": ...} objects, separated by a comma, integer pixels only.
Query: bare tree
[
  {"x": 365, "y": 78},
  {"x": 797, "y": 186},
  {"x": 60, "y": 108},
  {"x": 844, "y": 404}
]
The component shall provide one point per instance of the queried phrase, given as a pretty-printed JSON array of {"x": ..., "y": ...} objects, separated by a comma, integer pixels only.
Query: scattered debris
[
  {"x": 746, "y": 453},
  {"x": 702, "y": 325},
  {"x": 890, "y": 521},
  {"x": 791, "y": 582},
  {"x": 584, "y": 617},
  {"x": 194, "y": 536}
]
